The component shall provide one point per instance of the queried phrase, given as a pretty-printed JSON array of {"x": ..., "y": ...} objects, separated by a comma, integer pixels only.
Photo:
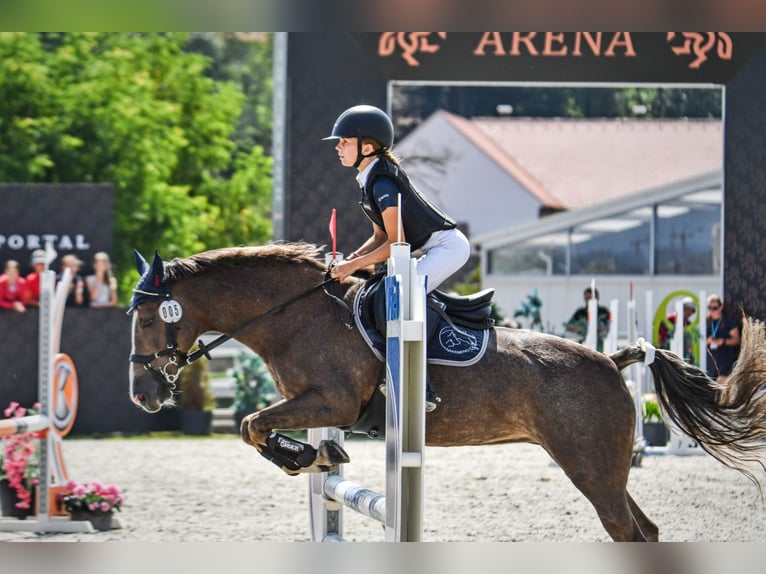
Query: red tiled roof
[{"x": 578, "y": 162}]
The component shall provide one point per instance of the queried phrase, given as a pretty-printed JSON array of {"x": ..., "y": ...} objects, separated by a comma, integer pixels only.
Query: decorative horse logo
[
  {"x": 700, "y": 44},
  {"x": 457, "y": 342}
]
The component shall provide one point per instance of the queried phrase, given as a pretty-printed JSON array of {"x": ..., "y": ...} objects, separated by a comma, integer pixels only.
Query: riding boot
[{"x": 432, "y": 399}]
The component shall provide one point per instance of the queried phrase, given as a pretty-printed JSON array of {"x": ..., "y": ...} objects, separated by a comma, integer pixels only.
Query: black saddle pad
[{"x": 449, "y": 342}]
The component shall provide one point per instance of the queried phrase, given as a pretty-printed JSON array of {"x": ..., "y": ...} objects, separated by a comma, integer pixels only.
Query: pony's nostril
[{"x": 139, "y": 398}]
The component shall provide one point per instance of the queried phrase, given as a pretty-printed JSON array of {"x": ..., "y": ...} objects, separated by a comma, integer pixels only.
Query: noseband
[{"x": 180, "y": 359}]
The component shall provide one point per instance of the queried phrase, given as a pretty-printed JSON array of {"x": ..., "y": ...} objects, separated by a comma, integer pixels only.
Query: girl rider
[{"x": 365, "y": 136}]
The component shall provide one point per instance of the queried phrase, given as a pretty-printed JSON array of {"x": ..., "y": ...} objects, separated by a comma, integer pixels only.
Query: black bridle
[{"x": 180, "y": 359}]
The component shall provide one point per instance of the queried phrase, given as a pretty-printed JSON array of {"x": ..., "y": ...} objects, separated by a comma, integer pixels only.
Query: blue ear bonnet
[{"x": 151, "y": 285}]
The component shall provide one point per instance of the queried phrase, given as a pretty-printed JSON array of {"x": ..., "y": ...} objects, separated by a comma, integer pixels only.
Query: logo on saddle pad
[{"x": 455, "y": 341}]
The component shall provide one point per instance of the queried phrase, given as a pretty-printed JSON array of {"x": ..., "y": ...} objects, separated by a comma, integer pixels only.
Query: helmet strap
[{"x": 361, "y": 157}]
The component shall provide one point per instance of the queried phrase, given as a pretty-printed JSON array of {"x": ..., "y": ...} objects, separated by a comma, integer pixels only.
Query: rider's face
[{"x": 347, "y": 151}]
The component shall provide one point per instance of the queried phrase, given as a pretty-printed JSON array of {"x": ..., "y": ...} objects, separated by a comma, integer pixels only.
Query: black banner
[
  {"x": 74, "y": 218},
  {"x": 635, "y": 57}
]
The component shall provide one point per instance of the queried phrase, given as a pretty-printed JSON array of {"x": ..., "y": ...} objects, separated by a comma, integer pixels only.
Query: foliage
[
  {"x": 196, "y": 394},
  {"x": 651, "y": 409},
  {"x": 92, "y": 496},
  {"x": 20, "y": 457},
  {"x": 141, "y": 112},
  {"x": 530, "y": 309},
  {"x": 254, "y": 387}
]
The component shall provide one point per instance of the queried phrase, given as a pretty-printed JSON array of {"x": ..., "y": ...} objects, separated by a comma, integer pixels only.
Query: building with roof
[
  {"x": 553, "y": 205},
  {"x": 496, "y": 173}
]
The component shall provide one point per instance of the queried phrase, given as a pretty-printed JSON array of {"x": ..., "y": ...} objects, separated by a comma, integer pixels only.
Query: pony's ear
[
  {"x": 158, "y": 270},
  {"x": 141, "y": 264}
]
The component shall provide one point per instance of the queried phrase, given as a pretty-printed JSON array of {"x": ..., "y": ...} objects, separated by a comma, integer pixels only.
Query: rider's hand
[{"x": 342, "y": 270}]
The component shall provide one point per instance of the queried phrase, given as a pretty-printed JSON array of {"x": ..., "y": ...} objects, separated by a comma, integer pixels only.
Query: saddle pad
[{"x": 450, "y": 345}]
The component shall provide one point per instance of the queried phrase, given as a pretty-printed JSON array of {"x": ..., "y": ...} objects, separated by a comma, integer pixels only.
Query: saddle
[
  {"x": 457, "y": 330},
  {"x": 470, "y": 311}
]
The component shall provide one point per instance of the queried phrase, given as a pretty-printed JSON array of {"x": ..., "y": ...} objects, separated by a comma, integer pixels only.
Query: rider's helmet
[{"x": 364, "y": 121}]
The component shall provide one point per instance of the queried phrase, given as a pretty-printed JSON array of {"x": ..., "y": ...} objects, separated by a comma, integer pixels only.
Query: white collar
[{"x": 362, "y": 176}]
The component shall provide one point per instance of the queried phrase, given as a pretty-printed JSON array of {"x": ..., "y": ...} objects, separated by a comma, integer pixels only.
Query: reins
[
  {"x": 204, "y": 350},
  {"x": 182, "y": 359}
]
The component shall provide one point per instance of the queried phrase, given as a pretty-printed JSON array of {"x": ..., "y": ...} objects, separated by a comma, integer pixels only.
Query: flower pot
[
  {"x": 99, "y": 520},
  {"x": 656, "y": 434},
  {"x": 8, "y": 500},
  {"x": 196, "y": 422}
]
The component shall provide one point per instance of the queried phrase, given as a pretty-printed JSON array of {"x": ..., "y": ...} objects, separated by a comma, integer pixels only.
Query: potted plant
[
  {"x": 19, "y": 467},
  {"x": 197, "y": 400},
  {"x": 656, "y": 432},
  {"x": 92, "y": 501},
  {"x": 254, "y": 388}
]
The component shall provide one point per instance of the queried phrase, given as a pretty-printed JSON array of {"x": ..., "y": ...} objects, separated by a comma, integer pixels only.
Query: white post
[
  {"x": 405, "y": 396},
  {"x": 610, "y": 341},
  {"x": 702, "y": 322},
  {"x": 677, "y": 342},
  {"x": 591, "y": 337},
  {"x": 52, "y": 302},
  {"x": 401, "y": 509},
  {"x": 635, "y": 370},
  {"x": 325, "y": 515}
]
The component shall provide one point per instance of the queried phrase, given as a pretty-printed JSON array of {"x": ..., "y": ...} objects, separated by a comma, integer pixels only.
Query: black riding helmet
[{"x": 364, "y": 121}]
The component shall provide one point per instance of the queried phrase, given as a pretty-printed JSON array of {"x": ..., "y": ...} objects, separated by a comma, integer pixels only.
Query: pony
[{"x": 528, "y": 387}]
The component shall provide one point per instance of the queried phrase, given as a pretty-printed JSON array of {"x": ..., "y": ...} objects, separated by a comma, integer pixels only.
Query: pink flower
[{"x": 11, "y": 409}]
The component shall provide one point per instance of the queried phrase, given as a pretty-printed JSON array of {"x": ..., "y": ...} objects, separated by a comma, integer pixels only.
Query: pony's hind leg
[
  {"x": 619, "y": 514},
  {"x": 600, "y": 471},
  {"x": 648, "y": 527}
]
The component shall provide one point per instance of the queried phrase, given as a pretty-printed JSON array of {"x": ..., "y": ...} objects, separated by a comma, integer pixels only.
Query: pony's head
[{"x": 161, "y": 337}]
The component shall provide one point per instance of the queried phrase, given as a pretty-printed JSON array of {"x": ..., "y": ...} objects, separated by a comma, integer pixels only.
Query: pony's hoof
[{"x": 331, "y": 453}]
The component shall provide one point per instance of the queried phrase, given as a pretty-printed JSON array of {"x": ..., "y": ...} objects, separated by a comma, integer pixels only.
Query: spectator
[
  {"x": 723, "y": 340},
  {"x": 667, "y": 330},
  {"x": 77, "y": 296},
  {"x": 33, "y": 279},
  {"x": 578, "y": 323},
  {"x": 13, "y": 288},
  {"x": 102, "y": 286}
]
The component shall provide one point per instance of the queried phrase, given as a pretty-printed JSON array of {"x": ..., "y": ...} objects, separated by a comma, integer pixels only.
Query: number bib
[{"x": 170, "y": 311}]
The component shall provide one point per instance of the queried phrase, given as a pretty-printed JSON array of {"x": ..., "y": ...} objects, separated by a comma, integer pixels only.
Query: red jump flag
[{"x": 332, "y": 232}]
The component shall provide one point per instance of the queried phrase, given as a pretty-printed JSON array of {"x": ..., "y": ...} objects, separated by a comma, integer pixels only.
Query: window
[
  {"x": 544, "y": 255},
  {"x": 614, "y": 245},
  {"x": 687, "y": 235}
]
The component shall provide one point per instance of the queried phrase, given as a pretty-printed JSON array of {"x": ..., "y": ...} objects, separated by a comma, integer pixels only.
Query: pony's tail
[{"x": 728, "y": 421}]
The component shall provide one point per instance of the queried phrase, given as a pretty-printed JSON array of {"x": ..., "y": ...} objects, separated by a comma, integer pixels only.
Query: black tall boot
[{"x": 432, "y": 399}]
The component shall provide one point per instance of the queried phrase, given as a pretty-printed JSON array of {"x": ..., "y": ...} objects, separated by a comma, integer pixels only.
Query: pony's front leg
[{"x": 292, "y": 456}]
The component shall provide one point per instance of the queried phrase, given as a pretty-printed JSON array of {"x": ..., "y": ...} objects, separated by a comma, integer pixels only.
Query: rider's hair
[{"x": 385, "y": 153}]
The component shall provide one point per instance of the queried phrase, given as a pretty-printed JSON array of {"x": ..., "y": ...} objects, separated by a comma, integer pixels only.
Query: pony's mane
[{"x": 232, "y": 258}]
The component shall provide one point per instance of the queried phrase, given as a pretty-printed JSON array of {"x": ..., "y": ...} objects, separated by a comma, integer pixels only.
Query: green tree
[{"x": 140, "y": 112}]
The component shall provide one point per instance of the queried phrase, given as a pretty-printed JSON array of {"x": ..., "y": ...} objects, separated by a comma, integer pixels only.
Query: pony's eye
[{"x": 146, "y": 322}]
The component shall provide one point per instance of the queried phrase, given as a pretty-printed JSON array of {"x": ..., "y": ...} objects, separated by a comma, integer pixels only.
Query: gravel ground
[{"x": 219, "y": 489}]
